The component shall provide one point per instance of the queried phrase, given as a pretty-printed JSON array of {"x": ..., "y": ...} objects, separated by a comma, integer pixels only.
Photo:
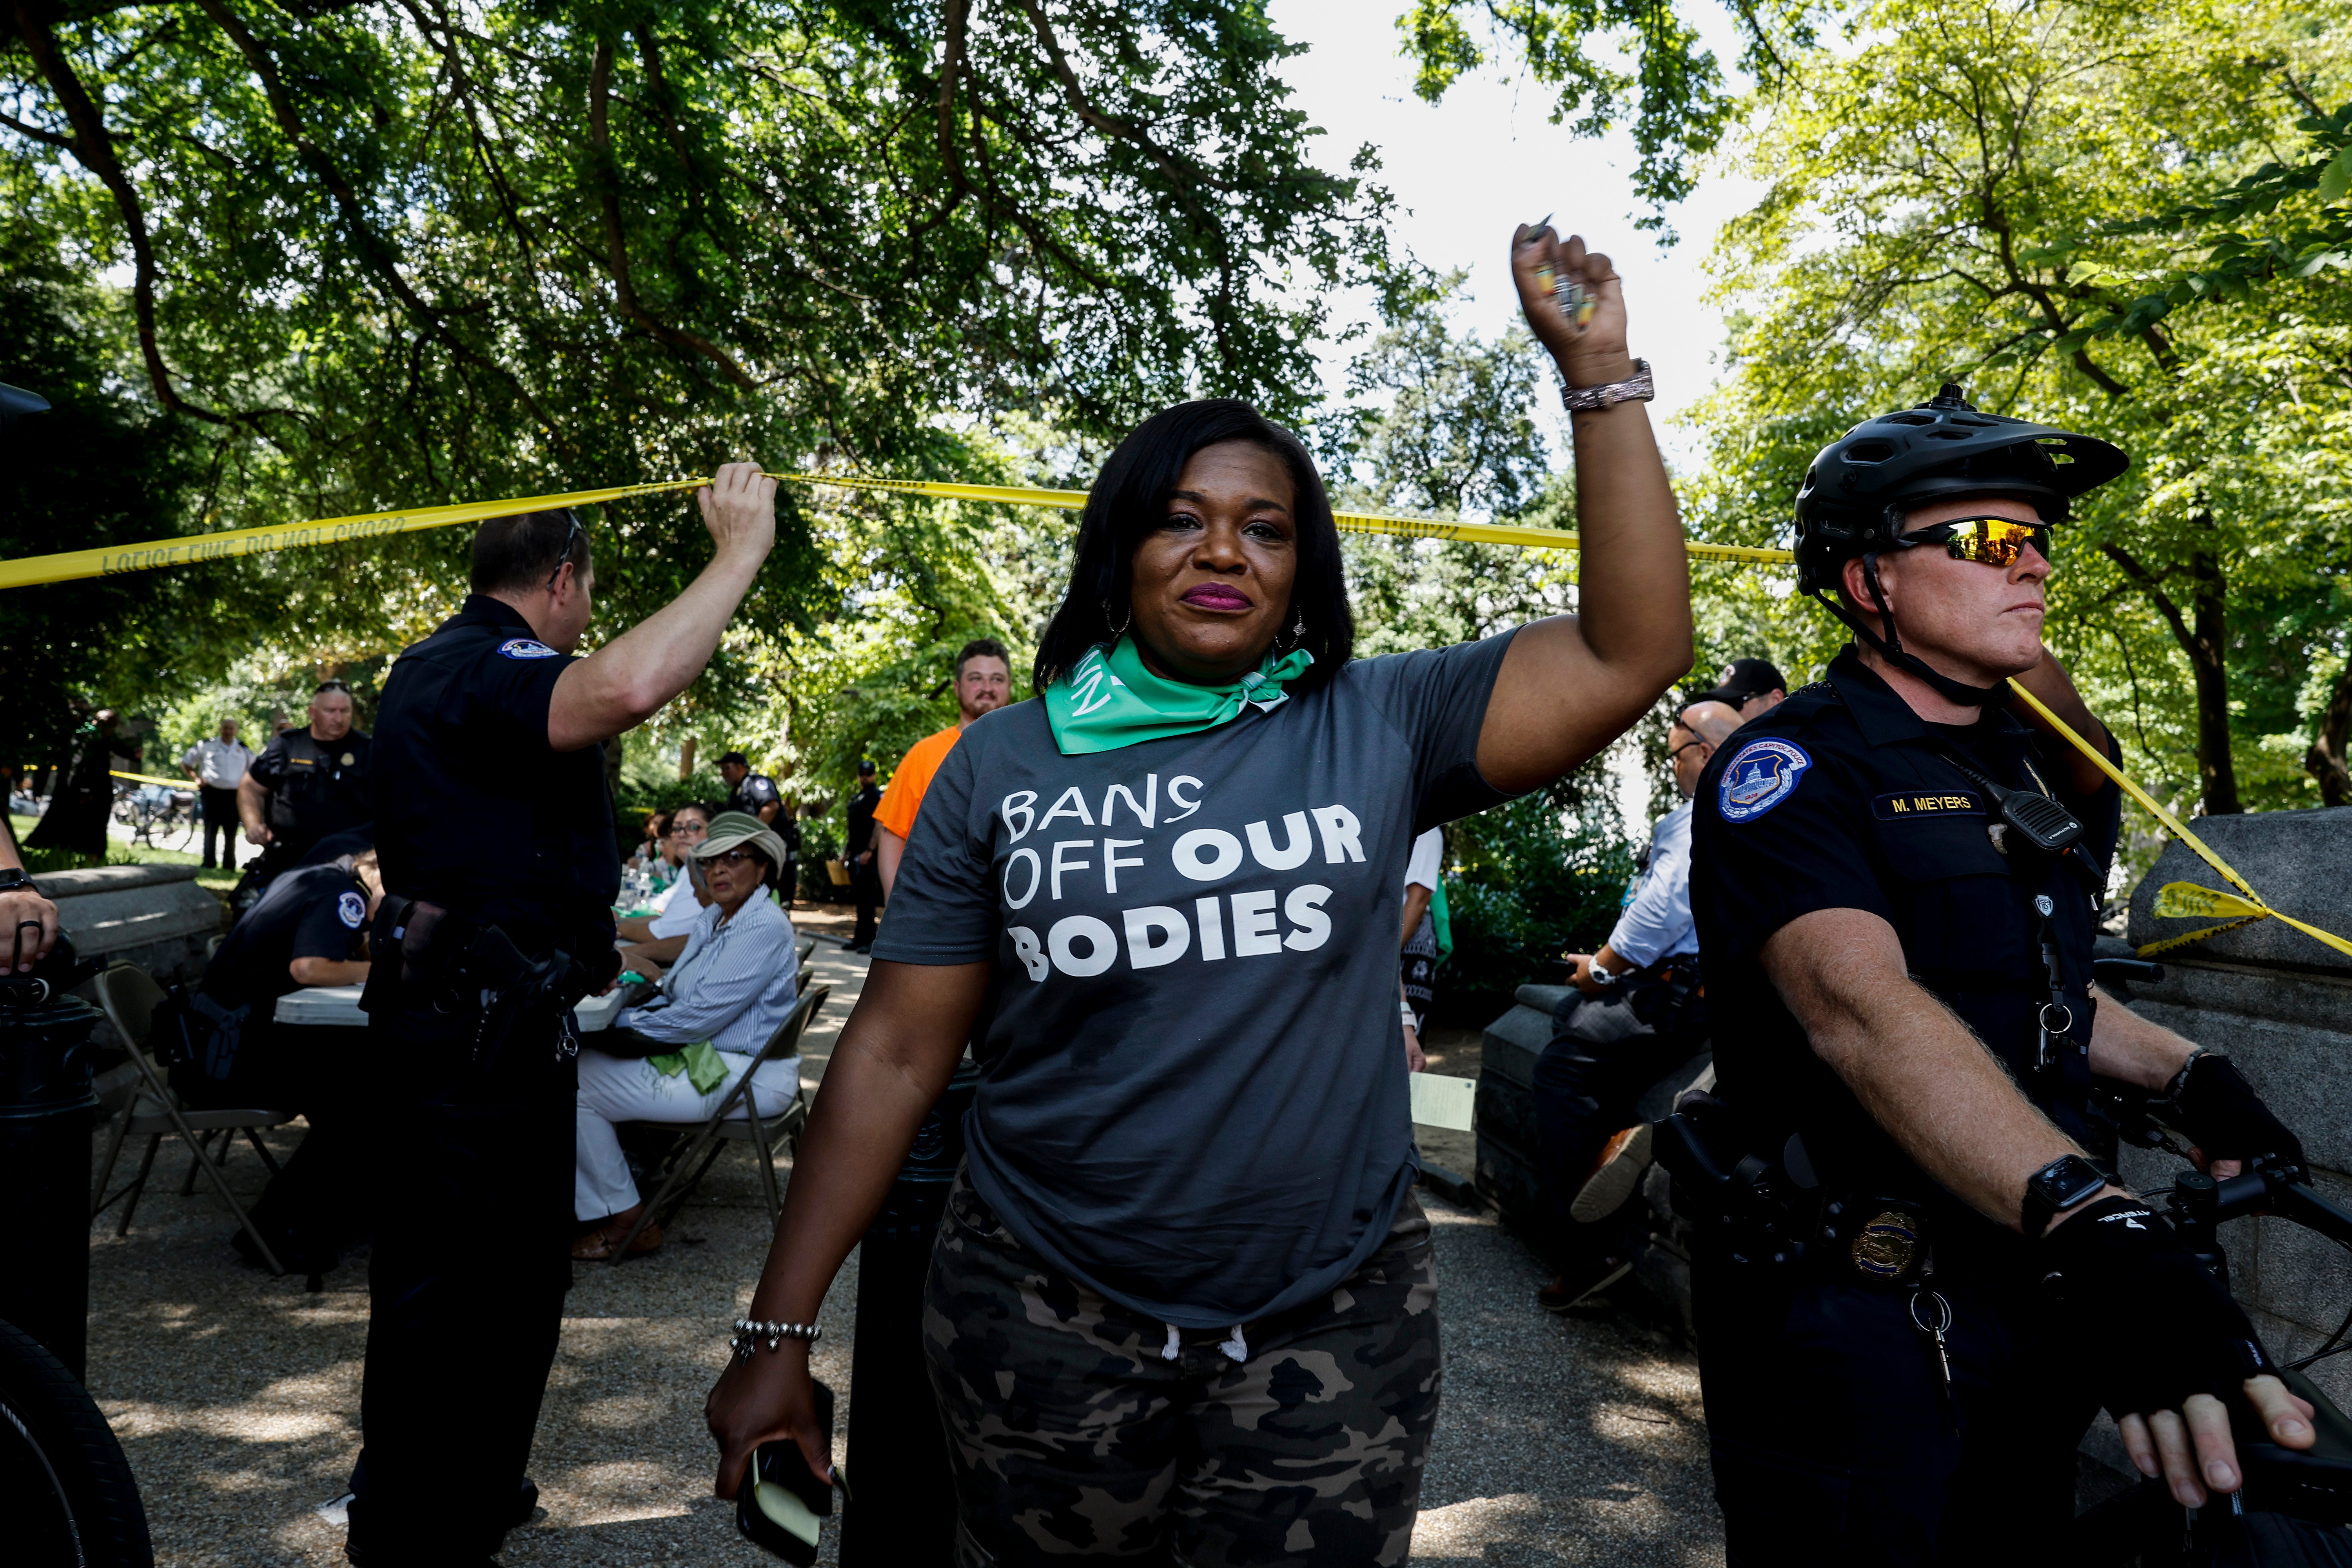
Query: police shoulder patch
[
  {"x": 525, "y": 648},
  {"x": 352, "y": 908},
  {"x": 1760, "y": 776}
]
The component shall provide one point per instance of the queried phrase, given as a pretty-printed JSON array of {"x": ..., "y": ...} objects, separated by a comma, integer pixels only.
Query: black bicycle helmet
[{"x": 1862, "y": 486}]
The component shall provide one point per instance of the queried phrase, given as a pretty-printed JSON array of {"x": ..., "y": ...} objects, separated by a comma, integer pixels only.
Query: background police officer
[
  {"x": 1910, "y": 993},
  {"x": 308, "y": 929},
  {"x": 859, "y": 850},
  {"x": 308, "y": 783},
  {"x": 753, "y": 795},
  {"x": 500, "y": 871}
]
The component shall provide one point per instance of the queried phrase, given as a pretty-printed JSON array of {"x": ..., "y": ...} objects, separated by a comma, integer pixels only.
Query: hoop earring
[{"x": 1120, "y": 630}]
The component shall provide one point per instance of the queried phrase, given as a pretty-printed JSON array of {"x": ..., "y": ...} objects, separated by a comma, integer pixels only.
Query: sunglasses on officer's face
[{"x": 1987, "y": 540}]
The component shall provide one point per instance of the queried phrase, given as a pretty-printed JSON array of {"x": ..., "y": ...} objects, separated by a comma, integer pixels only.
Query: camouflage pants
[{"x": 1077, "y": 1441}]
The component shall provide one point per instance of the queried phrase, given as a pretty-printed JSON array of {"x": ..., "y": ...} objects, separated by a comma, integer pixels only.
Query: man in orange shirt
[{"x": 983, "y": 682}]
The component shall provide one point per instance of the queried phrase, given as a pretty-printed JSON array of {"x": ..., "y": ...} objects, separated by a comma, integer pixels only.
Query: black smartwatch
[
  {"x": 14, "y": 878},
  {"x": 2057, "y": 1187}
]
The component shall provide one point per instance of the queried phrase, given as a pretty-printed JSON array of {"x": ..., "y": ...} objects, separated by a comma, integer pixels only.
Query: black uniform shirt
[
  {"x": 316, "y": 788},
  {"x": 861, "y": 821},
  {"x": 311, "y": 912},
  {"x": 756, "y": 791},
  {"x": 1838, "y": 798},
  {"x": 478, "y": 813}
]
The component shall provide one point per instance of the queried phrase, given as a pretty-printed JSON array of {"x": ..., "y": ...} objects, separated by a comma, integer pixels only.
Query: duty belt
[{"x": 458, "y": 964}]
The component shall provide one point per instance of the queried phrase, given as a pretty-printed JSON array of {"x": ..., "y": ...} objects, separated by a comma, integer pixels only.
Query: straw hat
[{"x": 740, "y": 829}]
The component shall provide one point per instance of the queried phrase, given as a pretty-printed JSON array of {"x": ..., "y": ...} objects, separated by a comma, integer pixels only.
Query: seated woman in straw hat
[{"x": 675, "y": 1057}]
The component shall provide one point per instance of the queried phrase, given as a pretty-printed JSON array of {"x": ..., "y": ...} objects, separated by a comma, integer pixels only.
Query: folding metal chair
[
  {"x": 128, "y": 994},
  {"x": 765, "y": 1134},
  {"x": 807, "y": 946}
]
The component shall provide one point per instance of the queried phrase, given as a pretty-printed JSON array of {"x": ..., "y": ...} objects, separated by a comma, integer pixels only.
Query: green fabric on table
[{"x": 698, "y": 1062}]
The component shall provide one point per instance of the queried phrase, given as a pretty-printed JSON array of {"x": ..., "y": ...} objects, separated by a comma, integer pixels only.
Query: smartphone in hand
[{"x": 782, "y": 1500}]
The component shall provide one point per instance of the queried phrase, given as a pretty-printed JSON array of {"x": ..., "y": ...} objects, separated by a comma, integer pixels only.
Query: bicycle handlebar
[{"x": 2281, "y": 1190}]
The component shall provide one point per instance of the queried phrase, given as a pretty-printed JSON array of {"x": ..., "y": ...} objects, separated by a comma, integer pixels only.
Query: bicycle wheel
[
  {"x": 65, "y": 1487},
  {"x": 175, "y": 827}
]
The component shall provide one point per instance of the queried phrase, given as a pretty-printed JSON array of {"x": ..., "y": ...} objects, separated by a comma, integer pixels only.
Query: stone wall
[
  {"x": 156, "y": 917},
  {"x": 2280, "y": 1004}
]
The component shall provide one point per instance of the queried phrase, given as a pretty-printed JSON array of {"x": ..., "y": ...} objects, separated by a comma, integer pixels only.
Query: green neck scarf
[{"x": 1112, "y": 700}]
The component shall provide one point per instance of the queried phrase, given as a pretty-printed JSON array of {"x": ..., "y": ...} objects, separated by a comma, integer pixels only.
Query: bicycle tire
[
  {"x": 65, "y": 1487},
  {"x": 174, "y": 830}
]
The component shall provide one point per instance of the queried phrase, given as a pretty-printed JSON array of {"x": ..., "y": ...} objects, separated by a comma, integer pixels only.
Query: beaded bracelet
[{"x": 750, "y": 1331}]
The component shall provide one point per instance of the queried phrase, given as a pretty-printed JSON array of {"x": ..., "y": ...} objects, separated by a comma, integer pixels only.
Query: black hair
[
  {"x": 738, "y": 758},
  {"x": 980, "y": 648},
  {"x": 524, "y": 552},
  {"x": 1130, "y": 496},
  {"x": 708, "y": 810}
]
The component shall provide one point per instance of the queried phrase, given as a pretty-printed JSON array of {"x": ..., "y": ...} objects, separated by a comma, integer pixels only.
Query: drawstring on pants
[{"x": 1235, "y": 1348}]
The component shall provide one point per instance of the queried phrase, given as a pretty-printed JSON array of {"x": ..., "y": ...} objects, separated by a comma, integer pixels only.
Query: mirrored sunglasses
[{"x": 1987, "y": 540}]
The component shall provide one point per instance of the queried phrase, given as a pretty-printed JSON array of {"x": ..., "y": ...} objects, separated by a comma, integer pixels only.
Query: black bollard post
[
  {"x": 902, "y": 1513},
  {"x": 47, "y": 1112}
]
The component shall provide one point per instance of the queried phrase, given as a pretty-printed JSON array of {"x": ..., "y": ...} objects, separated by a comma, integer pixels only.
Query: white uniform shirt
[{"x": 219, "y": 765}]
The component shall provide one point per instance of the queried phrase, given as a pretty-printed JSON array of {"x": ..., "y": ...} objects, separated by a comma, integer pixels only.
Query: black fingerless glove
[
  {"x": 2155, "y": 1326},
  {"x": 2225, "y": 1119}
]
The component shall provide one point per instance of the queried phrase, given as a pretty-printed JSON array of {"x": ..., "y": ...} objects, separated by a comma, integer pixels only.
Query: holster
[
  {"x": 1773, "y": 1210},
  {"x": 455, "y": 963}
]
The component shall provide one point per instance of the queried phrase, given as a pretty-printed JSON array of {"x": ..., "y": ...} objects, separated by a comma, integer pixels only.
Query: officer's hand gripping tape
[
  {"x": 2153, "y": 1322},
  {"x": 2223, "y": 1116}
]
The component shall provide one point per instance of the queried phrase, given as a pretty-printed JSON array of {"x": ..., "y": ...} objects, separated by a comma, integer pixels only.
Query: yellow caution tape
[
  {"x": 196, "y": 549},
  {"x": 151, "y": 778},
  {"x": 1392, "y": 524},
  {"x": 2188, "y": 901}
]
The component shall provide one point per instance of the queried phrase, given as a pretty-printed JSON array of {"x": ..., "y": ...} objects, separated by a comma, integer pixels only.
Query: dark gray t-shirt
[{"x": 1193, "y": 1095}]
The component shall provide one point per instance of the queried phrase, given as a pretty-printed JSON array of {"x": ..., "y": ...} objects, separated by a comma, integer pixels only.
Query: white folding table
[{"x": 339, "y": 1006}]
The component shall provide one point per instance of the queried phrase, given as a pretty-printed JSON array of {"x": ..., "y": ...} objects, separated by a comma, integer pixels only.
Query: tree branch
[
  {"x": 2326, "y": 759},
  {"x": 94, "y": 149},
  {"x": 2151, "y": 585},
  {"x": 35, "y": 132},
  {"x": 371, "y": 245},
  {"x": 624, "y": 292}
]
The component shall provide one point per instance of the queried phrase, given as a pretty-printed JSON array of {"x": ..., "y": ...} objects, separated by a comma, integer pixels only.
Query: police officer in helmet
[
  {"x": 499, "y": 869},
  {"x": 1896, "y": 882}
]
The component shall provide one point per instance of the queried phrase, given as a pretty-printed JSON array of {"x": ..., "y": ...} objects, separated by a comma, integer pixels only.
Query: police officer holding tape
[
  {"x": 1895, "y": 883},
  {"x": 499, "y": 869}
]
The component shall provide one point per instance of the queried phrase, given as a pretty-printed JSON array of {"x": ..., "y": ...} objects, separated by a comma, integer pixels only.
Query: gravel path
[{"x": 236, "y": 1395}]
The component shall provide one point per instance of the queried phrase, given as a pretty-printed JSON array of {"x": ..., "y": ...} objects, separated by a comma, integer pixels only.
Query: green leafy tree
[
  {"x": 1636, "y": 63},
  {"x": 1929, "y": 192},
  {"x": 397, "y": 252},
  {"x": 120, "y": 472}
]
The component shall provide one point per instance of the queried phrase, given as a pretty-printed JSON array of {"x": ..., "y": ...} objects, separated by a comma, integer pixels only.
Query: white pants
[{"x": 613, "y": 1089}]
